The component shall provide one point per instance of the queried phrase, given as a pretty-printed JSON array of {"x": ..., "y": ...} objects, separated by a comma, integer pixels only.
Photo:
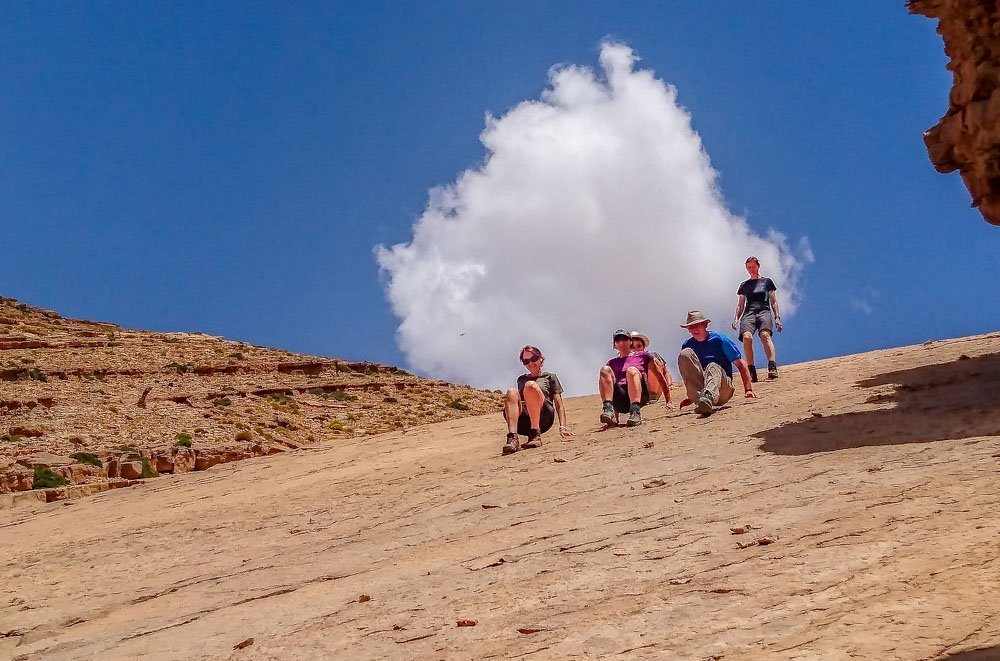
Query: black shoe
[
  {"x": 511, "y": 446},
  {"x": 753, "y": 373},
  {"x": 772, "y": 370}
]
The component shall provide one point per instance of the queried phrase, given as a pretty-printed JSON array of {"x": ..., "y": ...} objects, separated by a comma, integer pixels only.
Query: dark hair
[
  {"x": 534, "y": 350},
  {"x": 752, "y": 258}
]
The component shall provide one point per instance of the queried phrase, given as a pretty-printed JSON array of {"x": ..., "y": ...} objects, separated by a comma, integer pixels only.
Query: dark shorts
[
  {"x": 545, "y": 419},
  {"x": 621, "y": 401},
  {"x": 755, "y": 322}
]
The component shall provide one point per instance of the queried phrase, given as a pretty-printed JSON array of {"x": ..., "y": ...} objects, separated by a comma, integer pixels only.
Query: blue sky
[{"x": 230, "y": 167}]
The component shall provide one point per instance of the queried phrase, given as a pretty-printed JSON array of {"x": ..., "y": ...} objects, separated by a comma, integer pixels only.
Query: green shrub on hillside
[
  {"x": 46, "y": 479},
  {"x": 88, "y": 458}
]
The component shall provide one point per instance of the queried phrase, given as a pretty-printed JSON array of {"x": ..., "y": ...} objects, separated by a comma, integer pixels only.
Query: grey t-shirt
[{"x": 547, "y": 381}]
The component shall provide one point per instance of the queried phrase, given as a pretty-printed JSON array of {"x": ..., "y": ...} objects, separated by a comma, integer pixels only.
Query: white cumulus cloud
[{"x": 596, "y": 207}]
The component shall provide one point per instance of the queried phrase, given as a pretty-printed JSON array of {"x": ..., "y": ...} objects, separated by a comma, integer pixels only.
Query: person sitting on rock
[
  {"x": 706, "y": 364},
  {"x": 531, "y": 407},
  {"x": 754, "y": 314},
  {"x": 623, "y": 381},
  {"x": 640, "y": 342}
]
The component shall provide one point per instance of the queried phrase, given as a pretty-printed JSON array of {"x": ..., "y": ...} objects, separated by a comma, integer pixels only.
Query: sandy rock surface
[
  {"x": 850, "y": 512},
  {"x": 75, "y": 391}
]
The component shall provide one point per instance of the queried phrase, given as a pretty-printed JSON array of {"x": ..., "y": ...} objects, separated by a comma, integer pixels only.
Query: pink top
[{"x": 639, "y": 359}]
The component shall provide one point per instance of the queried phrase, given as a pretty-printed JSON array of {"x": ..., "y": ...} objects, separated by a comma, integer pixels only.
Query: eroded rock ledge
[
  {"x": 967, "y": 138},
  {"x": 86, "y": 406}
]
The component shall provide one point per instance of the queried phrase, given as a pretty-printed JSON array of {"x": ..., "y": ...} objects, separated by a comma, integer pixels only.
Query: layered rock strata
[
  {"x": 83, "y": 402},
  {"x": 967, "y": 138}
]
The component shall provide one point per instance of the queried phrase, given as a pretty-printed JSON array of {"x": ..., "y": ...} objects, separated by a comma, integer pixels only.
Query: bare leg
[
  {"x": 768, "y": 342},
  {"x": 748, "y": 346},
  {"x": 512, "y": 409},
  {"x": 634, "y": 379},
  {"x": 692, "y": 373},
  {"x": 606, "y": 384},
  {"x": 655, "y": 386},
  {"x": 533, "y": 399}
]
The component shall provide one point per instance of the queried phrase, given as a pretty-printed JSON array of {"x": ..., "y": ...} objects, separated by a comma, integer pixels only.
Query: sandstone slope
[
  {"x": 862, "y": 492},
  {"x": 128, "y": 404}
]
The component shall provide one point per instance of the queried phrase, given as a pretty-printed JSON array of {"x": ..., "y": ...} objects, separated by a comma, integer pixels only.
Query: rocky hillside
[
  {"x": 850, "y": 512},
  {"x": 967, "y": 138},
  {"x": 92, "y": 404}
]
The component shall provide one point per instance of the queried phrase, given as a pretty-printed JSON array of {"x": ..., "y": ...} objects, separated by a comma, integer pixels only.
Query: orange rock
[
  {"x": 16, "y": 480},
  {"x": 184, "y": 460},
  {"x": 45, "y": 459},
  {"x": 78, "y": 473},
  {"x": 162, "y": 463},
  {"x": 131, "y": 470}
]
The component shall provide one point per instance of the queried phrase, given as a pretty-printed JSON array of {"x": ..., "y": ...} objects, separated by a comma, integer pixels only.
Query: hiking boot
[
  {"x": 704, "y": 406},
  {"x": 634, "y": 417},
  {"x": 772, "y": 370},
  {"x": 511, "y": 446},
  {"x": 534, "y": 440},
  {"x": 753, "y": 373},
  {"x": 608, "y": 416}
]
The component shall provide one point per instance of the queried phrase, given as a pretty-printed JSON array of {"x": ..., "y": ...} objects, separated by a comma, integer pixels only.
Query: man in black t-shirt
[{"x": 754, "y": 310}]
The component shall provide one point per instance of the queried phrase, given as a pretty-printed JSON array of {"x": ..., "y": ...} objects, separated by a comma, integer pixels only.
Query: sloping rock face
[
  {"x": 849, "y": 513},
  {"x": 967, "y": 138},
  {"x": 93, "y": 403}
]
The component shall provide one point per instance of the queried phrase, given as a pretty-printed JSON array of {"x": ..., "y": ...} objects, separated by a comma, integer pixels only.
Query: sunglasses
[{"x": 533, "y": 359}]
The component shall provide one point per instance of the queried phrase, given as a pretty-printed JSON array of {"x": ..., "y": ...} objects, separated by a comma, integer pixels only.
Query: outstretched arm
[
  {"x": 561, "y": 413},
  {"x": 740, "y": 303},
  {"x": 662, "y": 375},
  {"x": 741, "y": 365}
]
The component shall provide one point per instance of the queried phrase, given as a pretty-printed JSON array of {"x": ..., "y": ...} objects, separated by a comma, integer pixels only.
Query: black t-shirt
[{"x": 758, "y": 293}]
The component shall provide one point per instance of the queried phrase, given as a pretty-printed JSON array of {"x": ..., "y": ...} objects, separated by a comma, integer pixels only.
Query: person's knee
[
  {"x": 532, "y": 387},
  {"x": 747, "y": 336},
  {"x": 765, "y": 335},
  {"x": 607, "y": 372},
  {"x": 633, "y": 371},
  {"x": 512, "y": 394}
]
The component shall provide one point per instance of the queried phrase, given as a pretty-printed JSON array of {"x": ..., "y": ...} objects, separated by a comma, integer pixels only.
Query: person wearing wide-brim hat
[
  {"x": 659, "y": 381},
  {"x": 706, "y": 364}
]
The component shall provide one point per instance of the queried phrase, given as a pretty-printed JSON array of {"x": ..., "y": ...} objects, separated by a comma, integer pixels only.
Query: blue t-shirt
[{"x": 715, "y": 349}]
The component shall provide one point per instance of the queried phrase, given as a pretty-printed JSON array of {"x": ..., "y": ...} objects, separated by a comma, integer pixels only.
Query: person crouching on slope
[
  {"x": 623, "y": 381},
  {"x": 706, "y": 364},
  {"x": 531, "y": 407}
]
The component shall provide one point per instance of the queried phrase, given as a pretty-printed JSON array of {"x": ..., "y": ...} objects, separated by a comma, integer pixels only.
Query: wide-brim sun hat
[
  {"x": 636, "y": 335},
  {"x": 695, "y": 317}
]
